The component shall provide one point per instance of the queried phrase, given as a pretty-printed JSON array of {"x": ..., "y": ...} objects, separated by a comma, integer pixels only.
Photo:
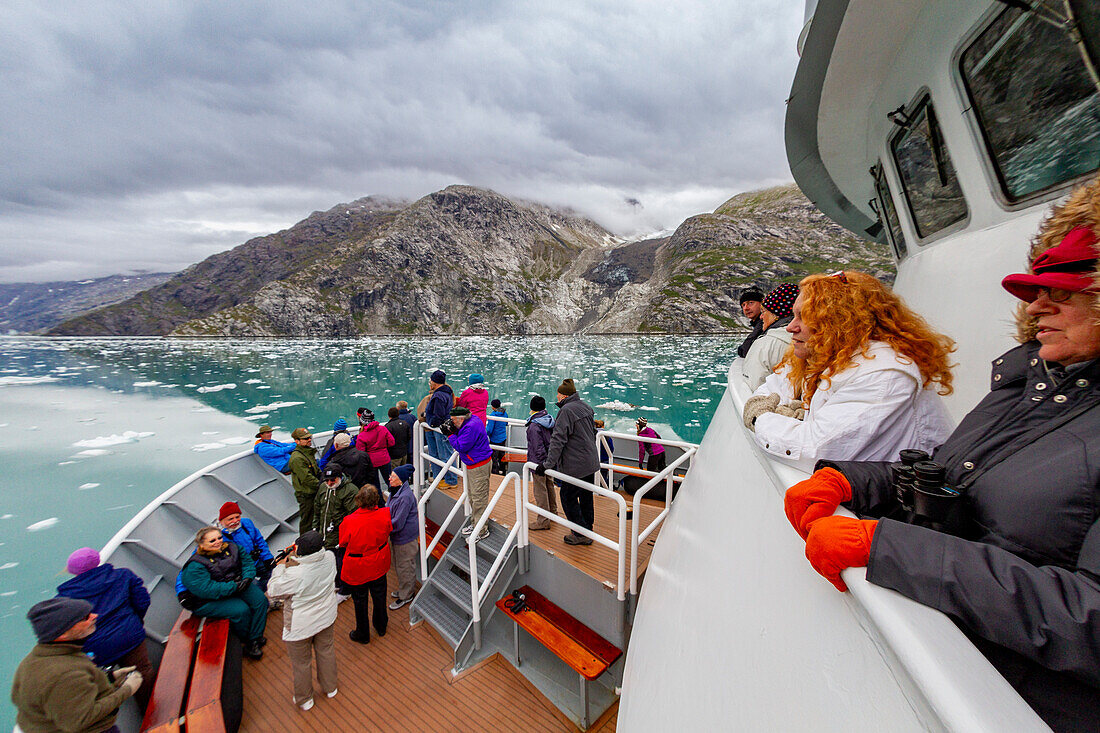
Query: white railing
[
  {"x": 637, "y": 537},
  {"x": 620, "y": 547},
  {"x": 478, "y": 594},
  {"x": 601, "y": 442},
  {"x": 443, "y": 468}
]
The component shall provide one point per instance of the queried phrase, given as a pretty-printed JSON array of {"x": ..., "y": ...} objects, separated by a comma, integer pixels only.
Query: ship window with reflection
[
  {"x": 1036, "y": 102},
  {"x": 928, "y": 177},
  {"x": 884, "y": 206}
]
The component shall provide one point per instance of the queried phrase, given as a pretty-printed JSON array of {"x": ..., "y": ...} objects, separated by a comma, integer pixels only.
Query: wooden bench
[
  {"x": 199, "y": 679},
  {"x": 588, "y": 653},
  {"x": 431, "y": 529}
]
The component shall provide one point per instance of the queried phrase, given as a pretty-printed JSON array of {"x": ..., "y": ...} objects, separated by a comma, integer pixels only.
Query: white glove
[{"x": 132, "y": 682}]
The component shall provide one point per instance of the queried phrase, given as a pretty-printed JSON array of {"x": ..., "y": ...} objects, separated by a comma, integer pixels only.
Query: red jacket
[
  {"x": 375, "y": 439},
  {"x": 366, "y": 533},
  {"x": 476, "y": 401}
]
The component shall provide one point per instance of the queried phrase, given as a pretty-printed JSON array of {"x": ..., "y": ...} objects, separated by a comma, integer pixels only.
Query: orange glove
[
  {"x": 836, "y": 543},
  {"x": 816, "y": 497}
]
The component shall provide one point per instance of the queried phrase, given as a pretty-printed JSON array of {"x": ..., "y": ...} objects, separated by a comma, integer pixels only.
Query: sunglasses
[
  {"x": 1054, "y": 295},
  {"x": 839, "y": 275}
]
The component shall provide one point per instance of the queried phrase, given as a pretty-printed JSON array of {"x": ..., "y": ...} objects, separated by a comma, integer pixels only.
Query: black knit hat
[
  {"x": 53, "y": 617},
  {"x": 750, "y": 294},
  {"x": 309, "y": 543},
  {"x": 538, "y": 402}
]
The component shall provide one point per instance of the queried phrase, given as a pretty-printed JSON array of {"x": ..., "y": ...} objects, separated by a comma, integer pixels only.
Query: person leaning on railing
[
  {"x": 861, "y": 380},
  {"x": 1019, "y": 572}
]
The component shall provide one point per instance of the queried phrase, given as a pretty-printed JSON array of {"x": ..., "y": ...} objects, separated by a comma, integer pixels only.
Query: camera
[
  {"x": 448, "y": 427},
  {"x": 280, "y": 556}
]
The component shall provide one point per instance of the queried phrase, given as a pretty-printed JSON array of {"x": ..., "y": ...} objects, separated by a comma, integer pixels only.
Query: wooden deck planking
[
  {"x": 401, "y": 681},
  {"x": 595, "y": 560}
]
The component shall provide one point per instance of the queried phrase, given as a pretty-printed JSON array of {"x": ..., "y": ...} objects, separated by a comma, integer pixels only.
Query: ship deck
[{"x": 403, "y": 681}]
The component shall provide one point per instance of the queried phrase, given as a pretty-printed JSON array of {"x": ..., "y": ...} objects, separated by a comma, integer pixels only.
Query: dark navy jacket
[
  {"x": 439, "y": 405},
  {"x": 1024, "y": 583},
  {"x": 120, "y": 600}
]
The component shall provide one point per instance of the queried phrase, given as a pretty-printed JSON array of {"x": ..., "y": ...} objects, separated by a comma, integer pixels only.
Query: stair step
[
  {"x": 454, "y": 587},
  {"x": 491, "y": 545},
  {"x": 442, "y": 614},
  {"x": 460, "y": 557}
]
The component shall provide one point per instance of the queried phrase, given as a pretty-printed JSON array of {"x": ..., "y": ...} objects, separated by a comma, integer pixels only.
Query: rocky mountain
[
  {"x": 466, "y": 260},
  {"x": 34, "y": 307}
]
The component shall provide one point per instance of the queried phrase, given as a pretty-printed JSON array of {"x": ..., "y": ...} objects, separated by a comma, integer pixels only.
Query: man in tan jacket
[{"x": 56, "y": 686}]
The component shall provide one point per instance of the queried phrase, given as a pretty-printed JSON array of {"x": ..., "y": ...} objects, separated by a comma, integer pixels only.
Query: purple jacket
[
  {"x": 654, "y": 448},
  {"x": 471, "y": 441},
  {"x": 403, "y": 515},
  {"x": 539, "y": 427}
]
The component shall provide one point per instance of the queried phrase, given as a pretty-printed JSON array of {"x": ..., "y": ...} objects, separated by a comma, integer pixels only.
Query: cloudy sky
[{"x": 147, "y": 136}]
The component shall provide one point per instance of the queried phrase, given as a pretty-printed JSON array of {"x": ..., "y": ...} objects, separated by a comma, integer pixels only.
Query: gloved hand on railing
[
  {"x": 540, "y": 470},
  {"x": 816, "y": 497},
  {"x": 243, "y": 584},
  {"x": 758, "y": 405},
  {"x": 837, "y": 543}
]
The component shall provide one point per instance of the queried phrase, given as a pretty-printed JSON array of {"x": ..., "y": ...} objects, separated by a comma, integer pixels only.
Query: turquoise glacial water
[{"x": 91, "y": 430}]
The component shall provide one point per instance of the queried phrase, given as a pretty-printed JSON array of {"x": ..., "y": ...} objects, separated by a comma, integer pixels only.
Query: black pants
[
  {"x": 376, "y": 590},
  {"x": 498, "y": 462},
  {"x": 656, "y": 463},
  {"x": 341, "y": 587},
  {"x": 577, "y": 502}
]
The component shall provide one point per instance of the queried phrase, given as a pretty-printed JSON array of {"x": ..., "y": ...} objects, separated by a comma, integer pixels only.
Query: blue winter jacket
[
  {"x": 498, "y": 431},
  {"x": 439, "y": 405},
  {"x": 403, "y": 515},
  {"x": 248, "y": 538},
  {"x": 275, "y": 453},
  {"x": 120, "y": 600},
  {"x": 539, "y": 427},
  {"x": 471, "y": 441}
]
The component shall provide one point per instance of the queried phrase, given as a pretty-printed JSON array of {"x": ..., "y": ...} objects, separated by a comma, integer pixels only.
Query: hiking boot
[
  {"x": 354, "y": 636},
  {"x": 576, "y": 539},
  {"x": 253, "y": 651}
]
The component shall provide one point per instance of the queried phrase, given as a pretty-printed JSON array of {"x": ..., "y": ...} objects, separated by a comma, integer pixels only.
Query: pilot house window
[
  {"x": 928, "y": 177},
  {"x": 1036, "y": 102}
]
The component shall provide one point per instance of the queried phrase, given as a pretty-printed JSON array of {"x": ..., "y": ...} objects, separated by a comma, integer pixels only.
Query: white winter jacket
[
  {"x": 308, "y": 592},
  {"x": 869, "y": 412},
  {"x": 764, "y": 354}
]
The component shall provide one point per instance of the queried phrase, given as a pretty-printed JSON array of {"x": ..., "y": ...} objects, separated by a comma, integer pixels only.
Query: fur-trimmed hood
[{"x": 1082, "y": 208}]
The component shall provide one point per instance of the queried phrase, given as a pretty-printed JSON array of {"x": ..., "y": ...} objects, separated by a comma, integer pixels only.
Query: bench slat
[
  {"x": 163, "y": 713},
  {"x": 571, "y": 641},
  {"x": 430, "y": 530},
  {"x": 204, "y": 701}
]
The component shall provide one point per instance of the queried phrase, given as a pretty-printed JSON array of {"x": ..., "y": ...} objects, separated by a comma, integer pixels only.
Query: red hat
[
  {"x": 1068, "y": 265},
  {"x": 228, "y": 508}
]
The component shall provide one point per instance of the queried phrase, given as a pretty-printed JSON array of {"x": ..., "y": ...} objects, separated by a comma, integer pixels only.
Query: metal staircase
[{"x": 445, "y": 600}]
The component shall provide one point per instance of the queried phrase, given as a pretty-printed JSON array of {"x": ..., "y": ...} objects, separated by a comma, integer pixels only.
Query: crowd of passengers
[{"x": 994, "y": 522}]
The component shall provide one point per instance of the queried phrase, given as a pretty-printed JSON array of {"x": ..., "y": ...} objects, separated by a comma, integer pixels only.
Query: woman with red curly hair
[{"x": 859, "y": 381}]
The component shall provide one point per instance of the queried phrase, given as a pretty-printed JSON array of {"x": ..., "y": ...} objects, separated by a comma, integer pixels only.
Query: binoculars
[{"x": 921, "y": 490}]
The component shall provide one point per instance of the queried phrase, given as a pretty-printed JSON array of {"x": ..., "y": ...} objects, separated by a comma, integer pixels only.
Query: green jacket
[
  {"x": 57, "y": 687},
  {"x": 304, "y": 472},
  {"x": 196, "y": 578},
  {"x": 329, "y": 509}
]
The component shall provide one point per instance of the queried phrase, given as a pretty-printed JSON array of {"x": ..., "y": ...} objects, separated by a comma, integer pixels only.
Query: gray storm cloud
[{"x": 150, "y": 136}]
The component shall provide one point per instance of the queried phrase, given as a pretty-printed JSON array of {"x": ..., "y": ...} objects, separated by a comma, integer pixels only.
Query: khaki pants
[
  {"x": 405, "y": 558},
  {"x": 479, "y": 490},
  {"x": 544, "y": 499},
  {"x": 321, "y": 644}
]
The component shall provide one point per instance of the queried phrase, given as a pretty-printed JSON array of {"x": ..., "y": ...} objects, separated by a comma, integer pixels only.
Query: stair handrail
[
  {"x": 619, "y": 547},
  {"x": 478, "y": 595},
  {"x": 637, "y": 537},
  {"x": 421, "y": 519}
]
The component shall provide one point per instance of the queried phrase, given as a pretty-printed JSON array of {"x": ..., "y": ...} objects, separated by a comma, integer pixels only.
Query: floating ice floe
[
  {"x": 153, "y": 383},
  {"x": 261, "y": 416},
  {"x": 617, "y": 405},
  {"x": 272, "y": 406},
  {"x": 7, "y": 516},
  {"x": 217, "y": 387},
  {"x": 92, "y": 452},
  {"x": 44, "y": 524},
  {"x": 218, "y": 445},
  {"x": 85, "y": 487},
  {"x": 8, "y": 593},
  {"x": 19, "y": 381},
  {"x": 253, "y": 381},
  {"x": 9, "y": 565},
  {"x": 103, "y": 441}
]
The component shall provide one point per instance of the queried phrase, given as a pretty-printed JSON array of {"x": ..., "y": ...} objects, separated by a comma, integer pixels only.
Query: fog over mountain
[{"x": 147, "y": 137}]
